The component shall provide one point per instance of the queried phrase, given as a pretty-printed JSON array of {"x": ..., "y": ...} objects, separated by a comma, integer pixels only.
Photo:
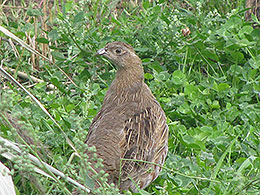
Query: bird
[{"x": 129, "y": 132}]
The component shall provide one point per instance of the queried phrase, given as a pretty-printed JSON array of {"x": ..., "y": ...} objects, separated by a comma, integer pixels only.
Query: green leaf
[
  {"x": 256, "y": 33},
  {"x": 246, "y": 164},
  {"x": 148, "y": 76},
  {"x": 234, "y": 22},
  {"x": 157, "y": 9},
  {"x": 156, "y": 66},
  {"x": 235, "y": 70},
  {"x": 215, "y": 105},
  {"x": 92, "y": 112},
  {"x": 162, "y": 76},
  {"x": 195, "y": 146},
  {"x": 14, "y": 24},
  {"x": 165, "y": 19},
  {"x": 232, "y": 113},
  {"x": 57, "y": 55},
  {"x": 79, "y": 17},
  {"x": 201, "y": 145},
  {"x": 146, "y": 4},
  {"x": 191, "y": 91},
  {"x": 184, "y": 108},
  {"x": 34, "y": 12},
  {"x": 68, "y": 6},
  {"x": 237, "y": 56},
  {"x": 246, "y": 29},
  {"x": 223, "y": 86},
  {"x": 57, "y": 84},
  {"x": 42, "y": 40},
  {"x": 254, "y": 18},
  {"x": 220, "y": 161},
  {"x": 188, "y": 139},
  {"x": 141, "y": 49},
  {"x": 84, "y": 75},
  {"x": 95, "y": 88},
  {"x": 206, "y": 129},
  {"x": 244, "y": 43},
  {"x": 209, "y": 54},
  {"x": 255, "y": 62},
  {"x": 178, "y": 77},
  {"x": 53, "y": 35},
  {"x": 176, "y": 80},
  {"x": 228, "y": 106},
  {"x": 54, "y": 105},
  {"x": 70, "y": 107},
  {"x": 114, "y": 20}
]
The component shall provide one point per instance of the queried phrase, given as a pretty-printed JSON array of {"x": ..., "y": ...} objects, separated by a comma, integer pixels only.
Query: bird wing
[{"x": 145, "y": 139}]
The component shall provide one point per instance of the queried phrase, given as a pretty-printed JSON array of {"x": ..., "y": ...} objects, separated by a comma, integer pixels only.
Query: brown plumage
[{"x": 131, "y": 123}]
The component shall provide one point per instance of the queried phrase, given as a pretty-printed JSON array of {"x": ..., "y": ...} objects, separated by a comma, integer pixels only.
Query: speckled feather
[{"x": 130, "y": 125}]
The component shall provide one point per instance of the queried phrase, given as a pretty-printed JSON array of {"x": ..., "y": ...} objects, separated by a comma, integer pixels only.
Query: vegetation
[{"x": 202, "y": 62}]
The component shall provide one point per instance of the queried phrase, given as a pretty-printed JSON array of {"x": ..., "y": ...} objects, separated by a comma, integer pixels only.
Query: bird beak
[{"x": 101, "y": 52}]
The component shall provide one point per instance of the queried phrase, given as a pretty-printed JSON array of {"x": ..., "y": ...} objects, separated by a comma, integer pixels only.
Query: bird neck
[
  {"x": 126, "y": 85},
  {"x": 129, "y": 71},
  {"x": 129, "y": 77}
]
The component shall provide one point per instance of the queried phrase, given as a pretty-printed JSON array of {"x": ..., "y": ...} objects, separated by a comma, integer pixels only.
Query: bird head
[{"x": 121, "y": 55}]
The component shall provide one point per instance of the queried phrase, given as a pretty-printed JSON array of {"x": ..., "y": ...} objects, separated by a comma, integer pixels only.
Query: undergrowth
[{"x": 206, "y": 80}]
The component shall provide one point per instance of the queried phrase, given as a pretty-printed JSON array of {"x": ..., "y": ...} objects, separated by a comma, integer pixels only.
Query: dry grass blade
[
  {"x": 16, "y": 53},
  {"x": 6, "y": 182},
  {"x": 25, "y": 76},
  {"x": 37, "y": 162}
]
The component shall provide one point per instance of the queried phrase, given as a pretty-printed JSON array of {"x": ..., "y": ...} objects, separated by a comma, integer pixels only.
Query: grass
[{"x": 206, "y": 81}]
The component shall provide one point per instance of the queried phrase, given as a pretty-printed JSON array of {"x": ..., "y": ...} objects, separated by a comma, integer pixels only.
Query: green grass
[{"x": 208, "y": 83}]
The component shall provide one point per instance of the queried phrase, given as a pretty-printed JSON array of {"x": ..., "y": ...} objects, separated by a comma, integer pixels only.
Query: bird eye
[{"x": 118, "y": 51}]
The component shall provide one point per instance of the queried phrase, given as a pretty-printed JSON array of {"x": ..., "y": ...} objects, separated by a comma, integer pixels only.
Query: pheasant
[{"x": 130, "y": 124}]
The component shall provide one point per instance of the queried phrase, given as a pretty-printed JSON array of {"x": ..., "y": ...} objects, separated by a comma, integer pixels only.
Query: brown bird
[{"x": 130, "y": 125}]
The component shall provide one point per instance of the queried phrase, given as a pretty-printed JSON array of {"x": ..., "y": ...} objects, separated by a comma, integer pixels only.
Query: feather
[{"x": 130, "y": 125}]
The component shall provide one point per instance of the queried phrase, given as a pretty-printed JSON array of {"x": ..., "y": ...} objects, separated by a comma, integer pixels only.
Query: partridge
[{"x": 130, "y": 125}]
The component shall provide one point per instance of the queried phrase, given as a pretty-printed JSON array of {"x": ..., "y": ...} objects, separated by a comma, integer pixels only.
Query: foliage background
[{"x": 206, "y": 80}]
